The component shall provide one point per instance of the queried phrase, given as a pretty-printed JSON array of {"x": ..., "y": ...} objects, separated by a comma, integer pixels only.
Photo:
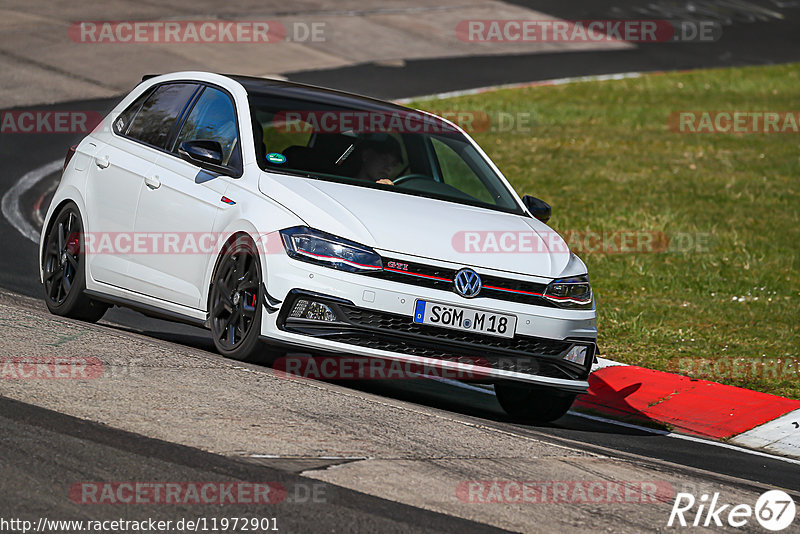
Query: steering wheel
[{"x": 408, "y": 177}]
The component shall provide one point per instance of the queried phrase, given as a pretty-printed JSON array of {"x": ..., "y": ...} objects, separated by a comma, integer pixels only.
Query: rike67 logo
[{"x": 774, "y": 511}]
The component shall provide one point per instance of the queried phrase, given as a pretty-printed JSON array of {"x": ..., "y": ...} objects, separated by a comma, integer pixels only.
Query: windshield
[{"x": 398, "y": 150}]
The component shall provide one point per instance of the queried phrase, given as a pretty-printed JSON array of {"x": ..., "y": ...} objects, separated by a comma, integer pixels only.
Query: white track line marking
[
  {"x": 37, "y": 207},
  {"x": 781, "y": 435},
  {"x": 641, "y": 428},
  {"x": 10, "y": 204},
  {"x": 556, "y": 81},
  {"x": 687, "y": 438},
  {"x": 605, "y": 362}
]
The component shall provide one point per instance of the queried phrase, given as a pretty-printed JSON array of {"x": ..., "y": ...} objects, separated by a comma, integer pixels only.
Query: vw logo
[{"x": 467, "y": 283}]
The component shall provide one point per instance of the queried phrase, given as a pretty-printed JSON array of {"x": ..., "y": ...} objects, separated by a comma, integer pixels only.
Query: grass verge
[{"x": 722, "y": 302}]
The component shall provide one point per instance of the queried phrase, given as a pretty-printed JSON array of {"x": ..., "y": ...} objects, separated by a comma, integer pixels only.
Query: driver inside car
[{"x": 378, "y": 160}]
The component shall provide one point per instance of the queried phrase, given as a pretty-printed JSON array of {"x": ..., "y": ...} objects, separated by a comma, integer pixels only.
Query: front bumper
[{"x": 375, "y": 321}]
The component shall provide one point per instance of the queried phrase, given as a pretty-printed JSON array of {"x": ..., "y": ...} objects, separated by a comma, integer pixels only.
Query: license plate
[{"x": 466, "y": 319}]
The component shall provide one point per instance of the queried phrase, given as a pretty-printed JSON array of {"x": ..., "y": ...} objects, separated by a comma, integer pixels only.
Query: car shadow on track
[
  {"x": 482, "y": 405},
  {"x": 467, "y": 400}
]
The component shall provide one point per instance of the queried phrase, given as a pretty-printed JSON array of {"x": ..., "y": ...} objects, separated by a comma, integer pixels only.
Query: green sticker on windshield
[{"x": 275, "y": 157}]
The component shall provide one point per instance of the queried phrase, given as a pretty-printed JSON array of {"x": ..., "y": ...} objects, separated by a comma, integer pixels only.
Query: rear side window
[
  {"x": 154, "y": 121},
  {"x": 124, "y": 119}
]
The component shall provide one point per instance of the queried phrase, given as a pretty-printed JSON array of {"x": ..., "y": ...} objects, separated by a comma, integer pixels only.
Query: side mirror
[
  {"x": 205, "y": 154},
  {"x": 538, "y": 208}
]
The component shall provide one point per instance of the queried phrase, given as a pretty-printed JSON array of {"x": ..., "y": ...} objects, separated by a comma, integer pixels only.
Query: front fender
[{"x": 256, "y": 216}]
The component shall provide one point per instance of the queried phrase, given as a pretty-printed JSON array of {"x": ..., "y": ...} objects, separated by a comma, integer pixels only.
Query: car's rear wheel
[
  {"x": 63, "y": 263},
  {"x": 235, "y": 302},
  {"x": 529, "y": 403}
]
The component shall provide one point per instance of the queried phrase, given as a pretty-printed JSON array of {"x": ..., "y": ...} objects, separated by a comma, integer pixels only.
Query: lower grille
[
  {"x": 401, "y": 324},
  {"x": 518, "y": 364},
  {"x": 398, "y": 333}
]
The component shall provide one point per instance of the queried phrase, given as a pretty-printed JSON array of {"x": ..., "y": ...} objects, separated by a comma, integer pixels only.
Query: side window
[
  {"x": 279, "y": 134},
  {"x": 124, "y": 120},
  {"x": 456, "y": 172},
  {"x": 213, "y": 119},
  {"x": 154, "y": 122}
]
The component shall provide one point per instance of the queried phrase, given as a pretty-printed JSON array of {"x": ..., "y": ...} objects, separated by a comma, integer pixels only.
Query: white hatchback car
[{"x": 283, "y": 216}]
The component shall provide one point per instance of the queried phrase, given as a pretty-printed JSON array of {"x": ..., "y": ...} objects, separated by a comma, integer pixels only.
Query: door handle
[
  {"x": 153, "y": 182},
  {"x": 102, "y": 162}
]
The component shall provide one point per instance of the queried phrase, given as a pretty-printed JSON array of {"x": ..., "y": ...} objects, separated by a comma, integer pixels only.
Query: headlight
[
  {"x": 572, "y": 292},
  {"x": 313, "y": 246}
]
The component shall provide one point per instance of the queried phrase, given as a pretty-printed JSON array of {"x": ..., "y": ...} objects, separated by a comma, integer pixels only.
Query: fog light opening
[
  {"x": 318, "y": 311},
  {"x": 299, "y": 307},
  {"x": 577, "y": 354},
  {"x": 313, "y": 310}
]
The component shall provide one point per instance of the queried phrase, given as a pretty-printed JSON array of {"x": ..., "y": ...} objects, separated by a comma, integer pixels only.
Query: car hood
[{"x": 426, "y": 228}]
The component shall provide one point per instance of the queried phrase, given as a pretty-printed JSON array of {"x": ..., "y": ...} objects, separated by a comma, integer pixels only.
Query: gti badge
[{"x": 467, "y": 283}]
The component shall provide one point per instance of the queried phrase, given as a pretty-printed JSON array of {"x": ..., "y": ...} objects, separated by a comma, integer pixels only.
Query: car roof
[
  {"x": 311, "y": 93},
  {"x": 273, "y": 87}
]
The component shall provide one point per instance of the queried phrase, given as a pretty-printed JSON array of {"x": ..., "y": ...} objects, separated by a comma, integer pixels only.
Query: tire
[
  {"x": 64, "y": 267},
  {"x": 235, "y": 302},
  {"x": 529, "y": 403}
]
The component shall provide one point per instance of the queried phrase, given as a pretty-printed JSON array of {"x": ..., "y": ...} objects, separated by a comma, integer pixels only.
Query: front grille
[{"x": 494, "y": 287}]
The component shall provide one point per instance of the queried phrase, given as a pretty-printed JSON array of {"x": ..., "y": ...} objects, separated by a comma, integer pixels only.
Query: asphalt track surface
[
  {"x": 751, "y": 36},
  {"x": 40, "y": 445},
  {"x": 32, "y": 433}
]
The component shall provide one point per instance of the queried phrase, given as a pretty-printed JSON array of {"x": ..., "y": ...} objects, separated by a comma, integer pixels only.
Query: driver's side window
[{"x": 213, "y": 119}]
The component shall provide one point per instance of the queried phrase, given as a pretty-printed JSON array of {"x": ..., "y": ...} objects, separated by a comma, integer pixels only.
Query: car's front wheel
[
  {"x": 235, "y": 302},
  {"x": 529, "y": 403},
  {"x": 64, "y": 269}
]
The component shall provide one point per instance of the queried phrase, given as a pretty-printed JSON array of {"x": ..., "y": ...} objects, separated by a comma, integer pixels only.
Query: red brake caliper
[{"x": 73, "y": 244}]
